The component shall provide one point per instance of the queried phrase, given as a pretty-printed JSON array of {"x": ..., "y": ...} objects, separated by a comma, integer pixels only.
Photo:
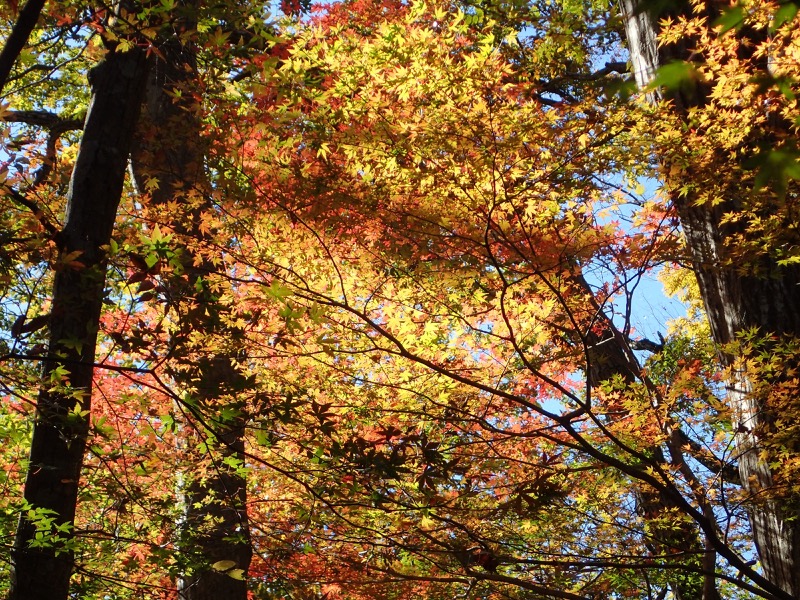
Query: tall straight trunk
[
  {"x": 216, "y": 526},
  {"x": 735, "y": 301},
  {"x": 62, "y": 417},
  {"x": 170, "y": 149}
]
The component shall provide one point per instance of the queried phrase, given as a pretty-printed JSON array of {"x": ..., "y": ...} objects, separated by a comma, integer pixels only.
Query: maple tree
[
  {"x": 377, "y": 271},
  {"x": 418, "y": 177}
]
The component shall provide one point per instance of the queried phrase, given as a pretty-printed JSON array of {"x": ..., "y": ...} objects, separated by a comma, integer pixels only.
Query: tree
[
  {"x": 743, "y": 290},
  {"x": 42, "y": 555},
  {"x": 168, "y": 161},
  {"x": 449, "y": 190}
]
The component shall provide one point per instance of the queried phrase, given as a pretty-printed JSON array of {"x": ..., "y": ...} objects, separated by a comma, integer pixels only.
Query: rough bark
[
  {"x": 735, "y": 301},
  {"x": 62, "y": 419},
  {"x": 170, "y": 149}
]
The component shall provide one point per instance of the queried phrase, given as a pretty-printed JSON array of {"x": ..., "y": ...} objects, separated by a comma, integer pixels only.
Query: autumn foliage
[{"x": 383, "y": 265}]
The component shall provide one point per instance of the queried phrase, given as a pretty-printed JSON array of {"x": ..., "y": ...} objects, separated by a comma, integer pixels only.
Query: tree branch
[
  {"x": 645, "y": 344},
  {"x": 16, "y": 41},
  {"x": 56, "y": 126},
  {"x": 22, "y": 200},
  {"x": 611, "y": 67},
  {"x": 729, "y": 472},
  {"x": 42, "y": 118}
]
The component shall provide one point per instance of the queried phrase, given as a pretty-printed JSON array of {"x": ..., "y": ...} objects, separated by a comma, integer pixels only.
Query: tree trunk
[
  {"x": 42, "y": 572},
  {"x": 216, "y": 528},
  {"x": 735, "y": 302},
  {"x": 607, "y": 356},
  {"x": 15, "y": 43},
  {"x": 170, "y": 149}
]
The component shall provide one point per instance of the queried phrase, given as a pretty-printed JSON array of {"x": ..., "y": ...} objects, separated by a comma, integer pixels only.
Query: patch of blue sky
[{"x": 641, "y": 306}]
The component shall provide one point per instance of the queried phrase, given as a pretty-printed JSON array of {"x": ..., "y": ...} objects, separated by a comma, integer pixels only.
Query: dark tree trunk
[
  {"x": 735, "y": 301},
  {"x": 18, "y": 37},
  {"x": 608, "y": 355},
  {"x": 170, "y": 149},
  {"x": 62, "y": 419},
  {"x": 216, "y": 527}
]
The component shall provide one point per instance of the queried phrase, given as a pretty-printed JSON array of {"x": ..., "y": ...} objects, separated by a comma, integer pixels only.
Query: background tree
[{"x": 170, "y": 166}]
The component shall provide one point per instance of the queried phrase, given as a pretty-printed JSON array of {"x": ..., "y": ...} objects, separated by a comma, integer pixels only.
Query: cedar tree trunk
[{"x": 735, "y": 301}]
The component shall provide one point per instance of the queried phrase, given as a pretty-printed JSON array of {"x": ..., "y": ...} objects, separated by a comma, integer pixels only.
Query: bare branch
[
  {"x": 647, "y": 345},
  {"x": 729, "y": 472},
  {"x": 42, "y": 118}
]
